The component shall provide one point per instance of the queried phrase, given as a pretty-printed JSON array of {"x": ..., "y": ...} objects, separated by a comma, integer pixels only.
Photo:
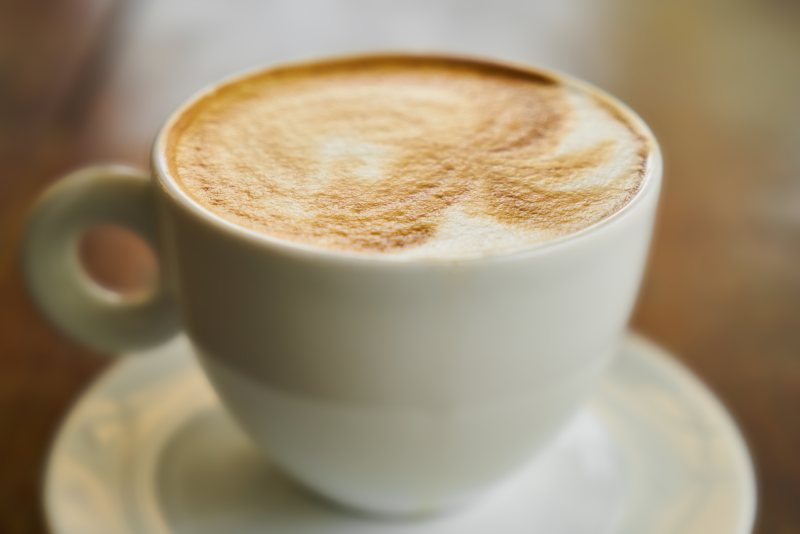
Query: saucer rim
[{"x": 742, "y": 457}]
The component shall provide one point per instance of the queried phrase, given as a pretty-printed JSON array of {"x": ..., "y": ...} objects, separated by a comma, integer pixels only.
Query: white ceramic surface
[
  {"x": 397, "y": 386},
  {"x": 148, "y": 449}
]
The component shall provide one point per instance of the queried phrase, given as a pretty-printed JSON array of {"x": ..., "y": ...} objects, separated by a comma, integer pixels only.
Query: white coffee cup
[{"x": 396, "y": 387}]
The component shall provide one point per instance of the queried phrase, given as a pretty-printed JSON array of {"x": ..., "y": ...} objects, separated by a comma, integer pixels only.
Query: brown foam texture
[{"x": 373, "y": 154}]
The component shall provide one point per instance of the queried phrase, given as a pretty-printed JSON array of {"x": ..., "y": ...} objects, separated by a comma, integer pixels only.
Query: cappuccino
[{"x": 408, "y": 156}]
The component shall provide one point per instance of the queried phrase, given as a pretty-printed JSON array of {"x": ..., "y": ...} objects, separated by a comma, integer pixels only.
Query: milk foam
[{"x": 408, "y": 156}]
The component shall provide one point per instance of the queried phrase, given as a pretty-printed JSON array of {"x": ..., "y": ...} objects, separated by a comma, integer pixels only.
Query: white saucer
[{"x": 147, "y": 449}]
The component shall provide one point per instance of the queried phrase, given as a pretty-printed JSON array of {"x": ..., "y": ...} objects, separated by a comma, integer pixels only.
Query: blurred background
[{"x": 86, "y": 81}]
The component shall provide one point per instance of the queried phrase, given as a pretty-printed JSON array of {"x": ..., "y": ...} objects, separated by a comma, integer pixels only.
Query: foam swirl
[{"x": 408, "y": 155}]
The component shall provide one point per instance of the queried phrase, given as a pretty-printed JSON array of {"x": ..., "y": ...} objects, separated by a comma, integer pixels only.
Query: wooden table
[{"x": 723, "y": 288}]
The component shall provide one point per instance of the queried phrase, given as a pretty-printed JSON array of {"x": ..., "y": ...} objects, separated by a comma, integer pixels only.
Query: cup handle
[{"x": 64, "y": 292}]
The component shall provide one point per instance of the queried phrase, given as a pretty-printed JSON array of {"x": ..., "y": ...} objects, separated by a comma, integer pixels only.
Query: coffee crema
[{"x": 408, "y": 155}]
